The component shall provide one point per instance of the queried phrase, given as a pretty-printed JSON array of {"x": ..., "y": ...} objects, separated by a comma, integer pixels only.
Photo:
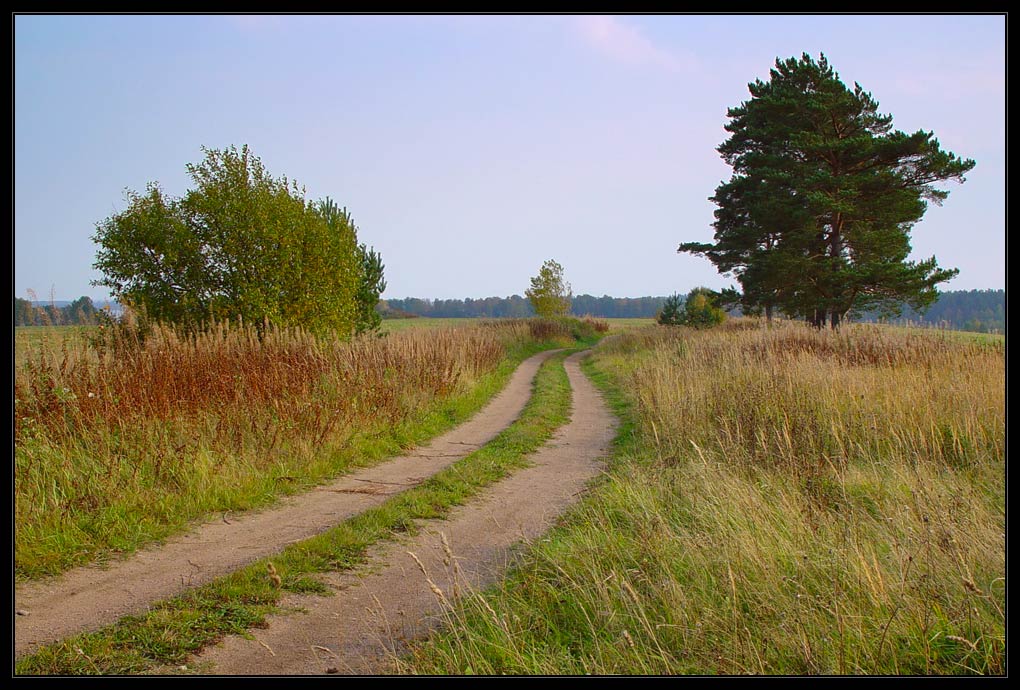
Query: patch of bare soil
[
  {"x": 91, "y": 597},
  {"x": 402, "y": 592}
]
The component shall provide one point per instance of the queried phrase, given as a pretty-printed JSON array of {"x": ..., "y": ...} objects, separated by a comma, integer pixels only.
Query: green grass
[
  {"x": 962, "y": 336},
  {"x": 181, "y": 626},
  {"x": 778, "y": 502},
  {"x": 397, "y": 325},
  {"x": 618, "y": 325},
  {"x": 50, "y": 339}
]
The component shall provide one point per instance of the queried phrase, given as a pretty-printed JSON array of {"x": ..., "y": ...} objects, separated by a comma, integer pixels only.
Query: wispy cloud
[{"x": 626, "y": 43}]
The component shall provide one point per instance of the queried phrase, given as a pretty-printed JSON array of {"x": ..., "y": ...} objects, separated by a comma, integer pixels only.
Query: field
[
  {"x": 781, "y": 502},
  {"x": 778, "y": 500},
  {"x": 123, "y": 443}
]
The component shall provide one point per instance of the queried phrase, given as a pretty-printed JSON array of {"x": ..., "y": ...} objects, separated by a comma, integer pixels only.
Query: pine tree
[{"x": 816, "y": 218}]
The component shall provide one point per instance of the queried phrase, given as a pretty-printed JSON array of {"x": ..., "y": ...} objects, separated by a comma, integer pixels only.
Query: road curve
[{"x": 90, "y": 597}]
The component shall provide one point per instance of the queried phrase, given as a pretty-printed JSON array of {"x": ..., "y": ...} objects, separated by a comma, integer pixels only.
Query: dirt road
[
  {"x": 390, "y": 601},
  {"x": 89, "y": 598}
]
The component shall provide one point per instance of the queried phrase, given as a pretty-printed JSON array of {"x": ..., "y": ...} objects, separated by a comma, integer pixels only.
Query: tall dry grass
[
  {"x": 124, "y": 439},
  {"x": 787, "y": 502}
]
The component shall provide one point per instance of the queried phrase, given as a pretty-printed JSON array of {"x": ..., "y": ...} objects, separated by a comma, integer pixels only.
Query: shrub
[
  {"x": 699, "y": 310},
  {"x": 671, "y": 313}
]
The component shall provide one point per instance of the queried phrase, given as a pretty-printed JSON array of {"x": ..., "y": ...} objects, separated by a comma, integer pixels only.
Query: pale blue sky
[{"x": 471, "y": 149}]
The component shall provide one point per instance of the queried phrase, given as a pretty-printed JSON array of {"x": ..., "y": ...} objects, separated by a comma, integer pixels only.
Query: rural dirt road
[
  {"x": 374, "y": 611},
  {"x": 351, "y": 632}
]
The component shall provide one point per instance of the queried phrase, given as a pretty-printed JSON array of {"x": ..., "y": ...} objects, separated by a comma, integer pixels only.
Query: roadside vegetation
[
  {"x": 124, "y": 436},
  {"x": 780, "y": 501},
  {"x": 176, "y": 628}
]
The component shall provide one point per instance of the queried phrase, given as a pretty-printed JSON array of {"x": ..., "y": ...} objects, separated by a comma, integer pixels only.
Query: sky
[{"x": 470, "y": 149}]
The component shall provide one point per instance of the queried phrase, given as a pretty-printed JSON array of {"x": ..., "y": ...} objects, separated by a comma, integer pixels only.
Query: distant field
[
  {"x": 396, "y": 325},
  {"x": 32, "y": 339},
  {"x": 963, "y": 336},
  {"x": 616, "y": 325}
]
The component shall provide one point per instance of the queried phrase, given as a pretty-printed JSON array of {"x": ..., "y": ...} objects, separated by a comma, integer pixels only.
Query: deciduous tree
[
  {"x": 241, "y": 244},
  {"x": 549, "y": 292}
]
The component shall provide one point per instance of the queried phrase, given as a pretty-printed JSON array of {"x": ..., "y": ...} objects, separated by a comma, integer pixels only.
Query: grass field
[
  {"x": 122, "y": 444},
  {"x": 397, "y": 325},
  {"x": 31, "y": 340},
  {"x": 780, "y": 501}
]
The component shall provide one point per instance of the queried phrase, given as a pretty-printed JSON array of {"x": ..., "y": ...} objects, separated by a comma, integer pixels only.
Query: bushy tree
[
  {"x": 372, "y": 285},
  {"x": 241, "y": 244},
  {"x": 701, "y": 309},
  {"x": 24, "y": 313},
  {"x": 549, "y": 293},
  {"x": 816, "y": 218},
  {"x": 672, "y": 311},
  {"x": 369, "y": 265}
]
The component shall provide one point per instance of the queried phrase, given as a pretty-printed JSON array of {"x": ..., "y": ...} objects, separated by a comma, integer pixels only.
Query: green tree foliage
[
  {"x": 816, "y": 218},
  {"x": 80, "y": 312},
  {"x": 241, "y": 244},
  {"x": 369, "y": 265},
  {"x": 672, "y": 311},
  {"x": 372, "y": 285},
  {"x": 969, "y": 310},
  {"x": 516, "y": 306},
  {"x": 701, "y": 309},
  {"x": 549, "y": 293},
  {"x": 24, "y": 313}
]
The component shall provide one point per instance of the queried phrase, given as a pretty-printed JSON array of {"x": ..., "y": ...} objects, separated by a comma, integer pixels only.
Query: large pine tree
[{"x": 816, "y": 219}]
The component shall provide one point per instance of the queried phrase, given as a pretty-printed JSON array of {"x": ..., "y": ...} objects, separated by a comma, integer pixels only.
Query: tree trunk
[{"x": 817, "y": 319}]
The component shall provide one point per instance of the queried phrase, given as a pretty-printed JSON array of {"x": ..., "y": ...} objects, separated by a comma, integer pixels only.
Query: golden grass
[{"x": 786, "y": 502}]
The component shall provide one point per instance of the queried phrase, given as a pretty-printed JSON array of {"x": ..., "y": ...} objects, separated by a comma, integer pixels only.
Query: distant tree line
[
  {"x": 973, "y": 310},
  {"x": 80, "y": 312},
  {"x": 983, "y": 311},
  {"x": 969, "y": 310},
  {"x": 517, "y": 306}
]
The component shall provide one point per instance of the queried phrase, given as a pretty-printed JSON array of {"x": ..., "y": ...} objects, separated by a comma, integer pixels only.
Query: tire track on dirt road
[
  {"x": 388, "y": 601},
  {"x": 91, "y": 597}
]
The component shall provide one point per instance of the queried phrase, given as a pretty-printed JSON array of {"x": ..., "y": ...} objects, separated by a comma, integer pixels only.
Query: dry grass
[
  {"x": 786, "y": 502},
  {"x": 124, "y": 439},
  {"x": 127, "y": 378}
]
